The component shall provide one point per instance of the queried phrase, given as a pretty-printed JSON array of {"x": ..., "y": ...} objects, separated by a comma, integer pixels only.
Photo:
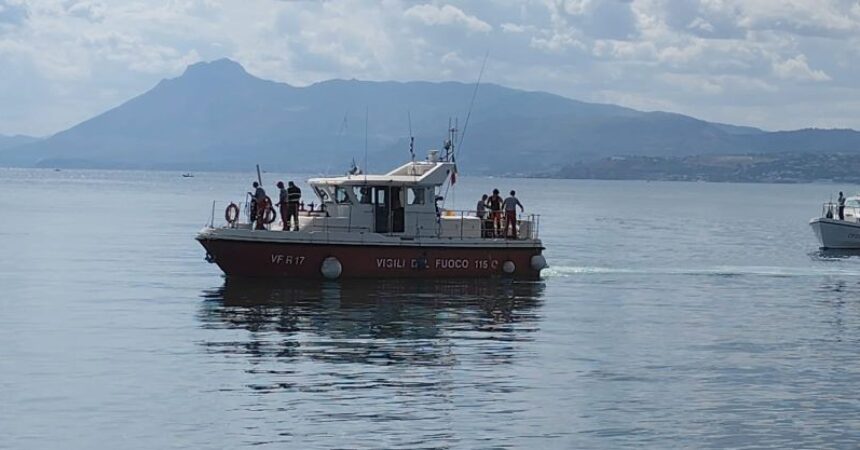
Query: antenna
[
  {"x": 448, "y": 145},
  {"x": 338, "y": 146},
  {"x": 474, "y": 94},
  {"x": 366, "y": 120},
  {"x": 466, "y": 124},
  {"x": 344, "y": 124},
  {"x": 454, "y": 147},
  {"x": 411, "y": 138}
]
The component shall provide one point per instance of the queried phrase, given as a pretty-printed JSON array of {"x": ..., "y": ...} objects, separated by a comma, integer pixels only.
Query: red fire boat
[{"x": 383, "y": 226}]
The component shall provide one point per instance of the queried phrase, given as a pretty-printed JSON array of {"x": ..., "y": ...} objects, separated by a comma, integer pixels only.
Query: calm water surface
[{"x": 675, "y": 315}]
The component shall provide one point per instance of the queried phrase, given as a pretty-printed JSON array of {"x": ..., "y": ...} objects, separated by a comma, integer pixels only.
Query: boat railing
[
  {"x": 244, "y": 218},
  {"x": 463, "y": 222},
  {"x": 830, "y": 210},
  {"x": 528, "y": 225}
]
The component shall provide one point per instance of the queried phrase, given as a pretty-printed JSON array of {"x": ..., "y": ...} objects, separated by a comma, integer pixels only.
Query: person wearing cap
[
  {"x": 282, "y": 205},
  {"x": 511, "y": 204},
  {"x": 294, "y": 196}
]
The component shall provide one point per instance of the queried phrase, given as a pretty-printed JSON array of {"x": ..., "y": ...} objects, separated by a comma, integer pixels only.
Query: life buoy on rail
[
  {"x": 270, "y": 215},
  {"x": 231, "y": 214},
  {"x": 268, "y": 212}
]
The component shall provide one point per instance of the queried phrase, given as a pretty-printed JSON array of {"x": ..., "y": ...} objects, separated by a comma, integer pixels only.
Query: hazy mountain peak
[{"x": 219, "y": 67}]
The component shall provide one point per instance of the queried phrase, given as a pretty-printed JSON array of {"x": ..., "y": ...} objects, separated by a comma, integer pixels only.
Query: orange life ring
[{"x": 231, "y": 214}]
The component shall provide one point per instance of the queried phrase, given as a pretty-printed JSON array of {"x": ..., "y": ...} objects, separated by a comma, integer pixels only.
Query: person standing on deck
[
  {"x": 495, "y": 202},
  {"x": 841, "y": 202},
  {"x": 481, "y": 213},
  {"x": 511, "y": 204},
  {"x": 261, "y": 206},
  {"x": 294, "y": 196},
  {"x": 282, "y": 205}
]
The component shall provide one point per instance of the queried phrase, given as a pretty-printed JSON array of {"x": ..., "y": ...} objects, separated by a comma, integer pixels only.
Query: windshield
[{"x": 322, "y": 193}]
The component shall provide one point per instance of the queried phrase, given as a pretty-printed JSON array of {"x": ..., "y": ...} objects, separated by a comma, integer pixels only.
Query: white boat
[{"x": 835, "y": 233}]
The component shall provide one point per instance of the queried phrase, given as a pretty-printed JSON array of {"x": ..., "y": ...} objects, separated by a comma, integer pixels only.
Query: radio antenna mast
[
  {"x": 411, "y": 137},
  {"x": 450, "y": 139},
  {"x": 366, "y": 120},
  {"x": 474, "y": 94},
  {"x": 452, "y": 131}
]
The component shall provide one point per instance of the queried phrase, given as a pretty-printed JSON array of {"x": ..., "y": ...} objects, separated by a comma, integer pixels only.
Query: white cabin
[{"x": 404, "y": 202}]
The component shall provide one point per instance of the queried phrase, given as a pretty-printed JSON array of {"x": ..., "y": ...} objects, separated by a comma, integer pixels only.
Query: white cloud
[
  {"x": 798, "y": 69},
  {"x": 90, "y": 10},
  {"x": 556, "y": 42},
  {"x": 701, "y": 24},
  {"x": 62, "y": 61},
  {"x": 446, "y": 15},
  {"x": 508, "y": 27},
  {"x": 625, "y": 50}
]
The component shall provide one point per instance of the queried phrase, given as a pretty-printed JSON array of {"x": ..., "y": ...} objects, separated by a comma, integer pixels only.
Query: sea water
[{"x": 674, "y": 315}]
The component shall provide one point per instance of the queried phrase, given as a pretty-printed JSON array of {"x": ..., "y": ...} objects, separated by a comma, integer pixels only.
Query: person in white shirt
[{"x": 510, "y": 204}]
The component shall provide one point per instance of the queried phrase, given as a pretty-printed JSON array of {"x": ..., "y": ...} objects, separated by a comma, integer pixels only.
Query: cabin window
[
  {"x": 416, "y": 196},
  {"x": 852, "y": 203},
  {"x": 381, "y": 193},
  {"x": 341, "y": 196},
  {"x": 362, "y": 193}
]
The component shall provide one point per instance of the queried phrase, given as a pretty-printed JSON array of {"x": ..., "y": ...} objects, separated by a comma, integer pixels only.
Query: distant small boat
[
  {"x": 187, "y": 175},
  {"x": 835, "y": 233}
]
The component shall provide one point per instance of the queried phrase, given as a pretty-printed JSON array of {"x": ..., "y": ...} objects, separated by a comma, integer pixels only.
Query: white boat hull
[{"x": 836, "y": 234}]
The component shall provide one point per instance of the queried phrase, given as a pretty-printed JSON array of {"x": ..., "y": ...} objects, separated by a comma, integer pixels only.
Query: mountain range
[
  {"x": 218, "y": 116},
  {"x": 7, "y": 142}
]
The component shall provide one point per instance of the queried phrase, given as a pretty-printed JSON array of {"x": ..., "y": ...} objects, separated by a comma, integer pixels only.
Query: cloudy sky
[{"x": 776, "y": 64}]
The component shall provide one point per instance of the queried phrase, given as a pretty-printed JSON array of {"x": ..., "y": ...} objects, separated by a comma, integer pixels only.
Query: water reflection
[{"x": 370, "y": 322}]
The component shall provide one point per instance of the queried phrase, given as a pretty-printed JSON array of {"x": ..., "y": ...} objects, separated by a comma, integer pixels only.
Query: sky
[{"x": 774, "y": 64}]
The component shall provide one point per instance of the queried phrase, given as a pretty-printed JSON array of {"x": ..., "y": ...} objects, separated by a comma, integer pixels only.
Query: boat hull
[
  {"x": 259, "y": 258},
  {"x": 836, "y": 234}
]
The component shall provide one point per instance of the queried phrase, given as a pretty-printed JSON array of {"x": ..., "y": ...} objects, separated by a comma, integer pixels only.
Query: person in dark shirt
[
  {"x": 495, "y": 203},
  {"x": 841, "y": 202},
  {"x": 282, "y": 205},
  {"x": 259, "y": 193},
  {"x": 294, "y": 196},
  {"x": 259, "y": 206}
]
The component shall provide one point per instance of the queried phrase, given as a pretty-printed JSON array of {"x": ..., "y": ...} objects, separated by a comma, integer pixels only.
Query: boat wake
[{"x": 718, "y": 271}]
